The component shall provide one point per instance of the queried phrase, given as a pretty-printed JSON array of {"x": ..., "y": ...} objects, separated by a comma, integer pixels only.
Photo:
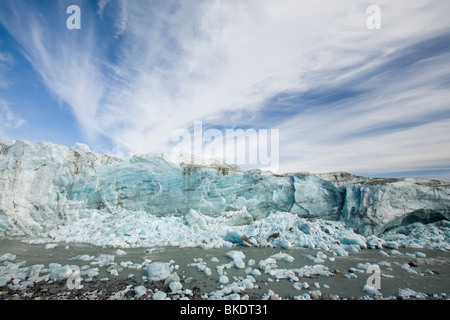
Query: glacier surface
[{"x": 55, "y": 193}]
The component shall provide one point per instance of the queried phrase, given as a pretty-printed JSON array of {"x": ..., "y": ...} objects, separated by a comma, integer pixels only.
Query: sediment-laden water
[{"x": 298, "y": 273}]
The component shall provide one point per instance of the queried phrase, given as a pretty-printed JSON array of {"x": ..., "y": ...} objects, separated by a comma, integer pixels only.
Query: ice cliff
[{"x": 46, "y": 187}]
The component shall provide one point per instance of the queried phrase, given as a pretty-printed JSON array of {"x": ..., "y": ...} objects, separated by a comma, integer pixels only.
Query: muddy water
[{"x": 393, "y": 277}]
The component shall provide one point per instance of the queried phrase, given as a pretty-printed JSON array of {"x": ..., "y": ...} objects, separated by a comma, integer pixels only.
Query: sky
[{"x": 333, "y": 93}]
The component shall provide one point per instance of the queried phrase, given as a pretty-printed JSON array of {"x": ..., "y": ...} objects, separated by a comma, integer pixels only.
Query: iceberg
[{"x": 75, "y": 195}]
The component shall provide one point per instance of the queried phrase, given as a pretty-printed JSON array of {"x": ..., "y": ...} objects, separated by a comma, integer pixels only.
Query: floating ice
[
  {"x": 90, "y": 272},
  {"x": 7, "y": 257},
  {"x": 237, "y": 257},
  {"x": 420, "y": 254},
  {"x": 354, "y": 239},
  {"x": 282, "y": 256},
  {"x": 314, "y": 259},
  {"x": 371, "y": 290},
  {"x": 411, "y": 294},
  {"x": 83, "y": 257},
  {"x": 223, "y": 279},
  {"x": 247, "y": 283},
  {"x": 59, "y": 272},
  {"x": 159, "y": 270},
  {"x": 408, "y": 268},
  {"x": 34, "y": 271}
]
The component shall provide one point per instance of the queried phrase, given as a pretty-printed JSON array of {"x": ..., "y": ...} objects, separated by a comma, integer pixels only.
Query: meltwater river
[{"x": 427, "y": 272}]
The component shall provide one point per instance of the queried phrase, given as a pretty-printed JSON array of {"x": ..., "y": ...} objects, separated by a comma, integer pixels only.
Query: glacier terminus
[{"x": 55, "y": 193}]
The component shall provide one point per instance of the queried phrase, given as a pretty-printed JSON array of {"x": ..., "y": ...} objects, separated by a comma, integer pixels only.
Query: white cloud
[{"x": 8, "y": 119}]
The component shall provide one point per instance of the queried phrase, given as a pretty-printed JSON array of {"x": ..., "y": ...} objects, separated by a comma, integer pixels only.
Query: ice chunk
[
  {"x": 354, "y": 239},
  {"x": 256, "y": 272},
  {"x": 239, "y": 264},
  {"x": 341, "y": 252},
  {"x": 384, "y": 263},
  {"x": 59, "y": 272},
  {"x": 223, "y": 279},
  {"x": 120, "y": 252},
  {"x": 208, "y": 271},
  {"x": 160, "y": 295},
  {"x": 297, "y": 285},
  {"x": 171, "y": 278},
  {"x": 371, "y": 290},
  {"x": 321, "y": 255},
  {"x": 237, "y": 257},
  {"x": 420, "y": 254},
  {"x": 7, "y": 257},
  {"x": 84, "y": 257},
  {"x": 196, "y": 220},
  {"x": 314, "y": 259},
  {"x": 90, "y": 272},
  {"x": 4, "y": 280},
  {"x": 33, "y": 272},
  {"x": 114, "y": 272},
  {"x": 383, "y": 254},
  {"x": 105, "y": 259},
  {"x": 285, "y": 244},
  {"x": 176, "y": 286},
  {"x": 139, "y": 291},
  {"x": 408, "y": 268},
  {"x": 374, "y": 242},
  {"x": 233, "y": 237},
  {"x": 120, "y": 294},
  {"x": 266, "y": 264},
  {"x": 283, "y": 256},
  {"x": 159, "y": 270},
  {"x": 248, "y": 284},
  {"x": 411, "y": 294}
]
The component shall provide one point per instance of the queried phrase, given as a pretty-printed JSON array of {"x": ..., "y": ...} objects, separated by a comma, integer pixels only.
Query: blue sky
[{"x": 343, "y": 97}]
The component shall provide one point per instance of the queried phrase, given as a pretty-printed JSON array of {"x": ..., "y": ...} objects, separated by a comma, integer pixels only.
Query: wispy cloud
[
  {"x": 8, "y": 119},
  {"x": 119, "y": 9},
  {"x": 5, "y": 61},
  {"x": 344, "y": 97},
  {"x": 66, "y": 62}
]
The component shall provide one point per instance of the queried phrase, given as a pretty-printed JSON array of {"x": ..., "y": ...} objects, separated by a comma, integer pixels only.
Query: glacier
[{"x": 55, "y": 193}]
